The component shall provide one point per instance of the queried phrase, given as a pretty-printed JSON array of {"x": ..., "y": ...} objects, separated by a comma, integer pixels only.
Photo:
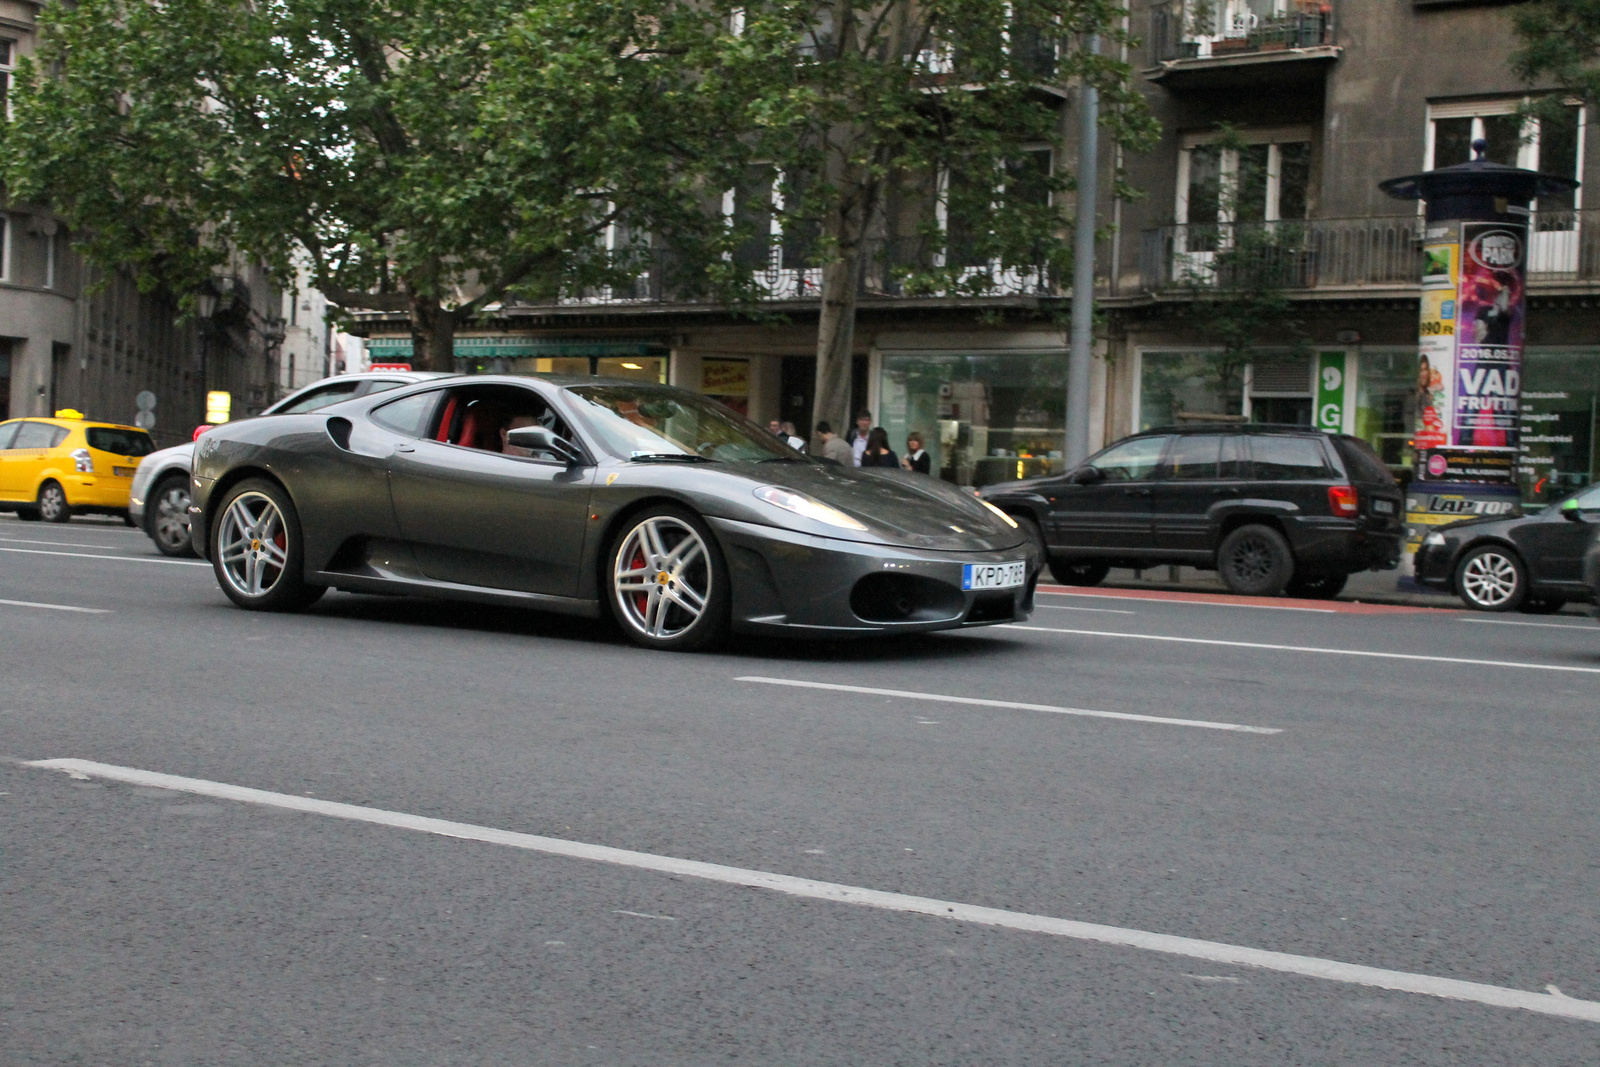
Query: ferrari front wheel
[
  {"x": 667, "y": 580},
  {"x": 257, "y": 552}
]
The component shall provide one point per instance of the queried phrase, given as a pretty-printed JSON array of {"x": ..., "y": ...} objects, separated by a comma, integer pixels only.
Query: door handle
[
  {"x": 405, "y": 448},
  {"x": 1137, "y": 492}
]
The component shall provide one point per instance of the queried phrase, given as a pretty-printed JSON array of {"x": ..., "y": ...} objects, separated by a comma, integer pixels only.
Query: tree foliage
[
  {"x": 1559, "y": 44},
  {"x": 419, "y": 156}
]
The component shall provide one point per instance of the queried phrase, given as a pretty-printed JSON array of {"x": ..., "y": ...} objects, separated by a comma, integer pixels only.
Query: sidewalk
[{"x": 1366, "y": 587}]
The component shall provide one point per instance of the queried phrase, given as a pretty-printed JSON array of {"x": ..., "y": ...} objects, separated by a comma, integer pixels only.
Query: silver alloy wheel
[
  {"x": 52, "y": 502},
  {"x": 172, "y": 517},
  {"x": 252, "y": 544},
  {"x": 662, "y": 577},
  {"x": 1489, "y": 579}
]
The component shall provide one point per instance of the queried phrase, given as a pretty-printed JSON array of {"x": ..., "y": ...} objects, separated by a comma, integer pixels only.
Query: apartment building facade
[
  {"x": 1279, "y": 119},
  {"x": 75, "y": 336}
]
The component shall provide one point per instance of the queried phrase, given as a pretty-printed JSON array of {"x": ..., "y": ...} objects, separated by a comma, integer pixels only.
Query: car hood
[
  {"x": 912, "y": 510},
  {"x": 1498, "y": 525}
]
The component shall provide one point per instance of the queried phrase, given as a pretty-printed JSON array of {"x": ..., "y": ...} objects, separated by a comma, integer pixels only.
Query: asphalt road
[{"x": 1436, "y": 816}]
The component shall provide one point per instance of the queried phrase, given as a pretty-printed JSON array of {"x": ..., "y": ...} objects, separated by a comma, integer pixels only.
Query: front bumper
[
  {"x": 791, "y": 582},
  {"x": 1433, "y": 566}
]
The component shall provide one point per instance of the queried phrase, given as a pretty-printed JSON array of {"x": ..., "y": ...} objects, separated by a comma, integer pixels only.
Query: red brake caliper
[{"x": 640, "y": 600}]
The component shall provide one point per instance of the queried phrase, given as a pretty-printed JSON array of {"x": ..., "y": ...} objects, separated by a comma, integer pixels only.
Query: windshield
[
  {"x": 641, "y": 422},
  {"x": 1588, "y": 500},
  {"x": 121, "y": 442}
]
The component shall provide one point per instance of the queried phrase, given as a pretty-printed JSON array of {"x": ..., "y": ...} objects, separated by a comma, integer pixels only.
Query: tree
[
  {"x": 421, "y": 156},
  {"x": 1559, "y": 43},
  {"x": 872, "y": 105}
]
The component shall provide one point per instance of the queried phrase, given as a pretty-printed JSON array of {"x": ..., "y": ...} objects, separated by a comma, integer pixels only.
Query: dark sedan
[
  {"x": 1532, "y": 563},
  {"x": 653, "y": 505}
]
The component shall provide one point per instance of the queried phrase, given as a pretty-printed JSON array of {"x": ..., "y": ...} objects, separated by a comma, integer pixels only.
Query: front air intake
[{"x": 904, "y": 598}]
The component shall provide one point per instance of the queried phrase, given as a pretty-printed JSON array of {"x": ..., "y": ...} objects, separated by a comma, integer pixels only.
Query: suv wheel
[
  {"x": 1083, "y": 572},
  {"x": 1492, "y": 578},
  {"x": 1255, "y": 561}
]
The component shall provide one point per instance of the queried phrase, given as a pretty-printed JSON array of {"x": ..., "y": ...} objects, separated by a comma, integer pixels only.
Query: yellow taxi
[{"x": 54, "y": 468}]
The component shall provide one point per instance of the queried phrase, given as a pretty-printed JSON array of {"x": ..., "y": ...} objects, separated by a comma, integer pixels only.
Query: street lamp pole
[{"x": 1080, "y": 358}]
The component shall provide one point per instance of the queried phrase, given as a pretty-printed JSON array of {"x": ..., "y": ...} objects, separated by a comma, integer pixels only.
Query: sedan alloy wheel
[
  {"x": 1491, "y": 579},
  {"x": 169, "y": 519}
]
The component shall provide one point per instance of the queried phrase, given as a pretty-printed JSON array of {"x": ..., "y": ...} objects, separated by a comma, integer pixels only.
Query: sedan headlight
[
  {"x": 1009, "y": 521},
  {"x": 804, "y": 506},
  {"x": 83, "y": 460},
  {"x": 1434, "y": 540}
]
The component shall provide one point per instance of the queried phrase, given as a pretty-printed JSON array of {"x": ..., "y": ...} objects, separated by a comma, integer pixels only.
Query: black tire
[
  {"x": 127, "y": 520},
  {"x": 253, "y": 575},
  {"x": 1538, "y": 605},
  {"x": 651, "y": 597},
  {"x": 28, "y": 514},
  {"x": 1317, "y": 586},
  {"x": 1079, "y": 572},
  {"x": 1255, "y": 561},
  {"x": 53, "y": 506},
  {"x": 166, "y": 516},
  {"x": 1492, "y": 578}
]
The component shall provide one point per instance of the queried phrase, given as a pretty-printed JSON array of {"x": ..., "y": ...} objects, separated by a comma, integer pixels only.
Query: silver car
[{"x": 158, "y": 502}]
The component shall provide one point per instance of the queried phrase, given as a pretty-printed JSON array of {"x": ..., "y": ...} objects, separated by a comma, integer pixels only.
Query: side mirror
[
  {"x": 1088, "y": 474},
  {"x": 1572, "y": 512},
  {"x": 540, "y": 439}
]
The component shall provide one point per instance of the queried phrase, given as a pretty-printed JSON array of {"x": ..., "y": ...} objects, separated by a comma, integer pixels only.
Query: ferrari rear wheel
[
  {"x": 257, "y": 552},
  {"x": 668, "y": 583}
]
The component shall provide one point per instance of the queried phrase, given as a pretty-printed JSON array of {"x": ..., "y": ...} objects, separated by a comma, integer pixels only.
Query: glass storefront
[
  {"x": 1386, "y": 405},
  {"x": 1560, "y": 389},
  {"x": 983, "y": 418},
  {"x": 1175, "y": 387}
]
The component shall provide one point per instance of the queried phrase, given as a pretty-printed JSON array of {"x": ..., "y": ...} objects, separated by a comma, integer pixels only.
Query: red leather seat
[{"x": 445, "y": 420}]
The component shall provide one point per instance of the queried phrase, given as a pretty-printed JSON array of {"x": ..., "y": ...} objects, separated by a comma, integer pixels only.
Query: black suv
[{"x": 1271, "y": 508}]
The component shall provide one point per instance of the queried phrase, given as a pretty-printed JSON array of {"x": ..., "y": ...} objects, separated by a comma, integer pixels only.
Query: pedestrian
[
  {"x": 796, "y": 442},
  {"x": 774, "y": 427},
  {"x": 857, "y": 437},
  {"x": 878, "y": 453},
  {"x": 833, "y": 446},
  {"x": 916, "y": 460}
]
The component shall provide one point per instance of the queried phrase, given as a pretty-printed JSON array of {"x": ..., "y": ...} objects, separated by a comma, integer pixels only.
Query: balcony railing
[
  {"x": 1343, "y": 253},
  {"x": 890, "y": 269},
  {"x": 1170, "y": 39}
]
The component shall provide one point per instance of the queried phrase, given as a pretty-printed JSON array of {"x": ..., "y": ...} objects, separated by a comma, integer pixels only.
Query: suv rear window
[
  {"x": 121, "y": 442},
  {"x": 1362, "y": 462},
  {"x": 1285, "y": 459}
]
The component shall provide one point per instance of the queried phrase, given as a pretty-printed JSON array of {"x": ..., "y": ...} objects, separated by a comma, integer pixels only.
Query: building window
[
  {"x": 1553, "y": 145},
  {"x": 1258, "y": 177},
  {"x": 778, "y": 250},
  {"x": 8, "y": 59},
  {"x": 5, "y": 248}
]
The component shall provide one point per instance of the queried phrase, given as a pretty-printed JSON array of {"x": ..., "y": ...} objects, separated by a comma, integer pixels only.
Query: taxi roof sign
[{"x": 69, "y": 413}]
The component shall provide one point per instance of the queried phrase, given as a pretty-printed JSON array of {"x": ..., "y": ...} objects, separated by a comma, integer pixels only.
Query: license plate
[
  {"x": 123, "y": 472},
  {"x": 993, "y": 575},
  {"x": 1383, "y": 507}
]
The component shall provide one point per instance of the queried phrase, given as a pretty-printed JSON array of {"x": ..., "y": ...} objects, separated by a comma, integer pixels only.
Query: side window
[
  {"x": 382, "y": 385},
  {"x": 1588, "y": 500},
  {"x": 319, "y": 398},
  {"x": 58, "y": 436},
  {"x": 7, "y": 432},
  {"x": 1131, "y": 461},
  {"x": 1193, "y": 458},
  {"x": 1234, "y": 462},
  {"x": 34, "y": 435},
  {"x": 481, "y": 416},
  {"x": 1286, "y": 459},
  {"x": 409, "y": 415}
]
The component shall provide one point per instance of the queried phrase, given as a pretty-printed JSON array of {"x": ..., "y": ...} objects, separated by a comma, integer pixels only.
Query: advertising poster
[
  {"x": 1491, "y": 309},
  {"x": 1436, "y": 341}
]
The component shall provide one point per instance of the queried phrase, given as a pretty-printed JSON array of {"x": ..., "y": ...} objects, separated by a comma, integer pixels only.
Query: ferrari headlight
[
  {"x": 806, "y": 507},
  {"x": 1009, "y": 521},
  {"x": 83, "y": 460},
  {"x": 1434, "y": 540}
]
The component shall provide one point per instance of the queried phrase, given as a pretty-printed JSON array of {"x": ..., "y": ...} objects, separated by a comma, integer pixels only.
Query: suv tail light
[
  {"x": 198, "y": 430},
  {"x": 1342, "y": 501},
  {"x": 83, "y": 460}
]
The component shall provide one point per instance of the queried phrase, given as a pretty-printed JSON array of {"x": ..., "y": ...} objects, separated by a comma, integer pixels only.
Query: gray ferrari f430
[{"x": 653, "y": 505}]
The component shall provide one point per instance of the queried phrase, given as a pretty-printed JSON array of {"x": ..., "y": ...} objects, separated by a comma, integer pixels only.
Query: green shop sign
[{"x": 398, "y": 349}]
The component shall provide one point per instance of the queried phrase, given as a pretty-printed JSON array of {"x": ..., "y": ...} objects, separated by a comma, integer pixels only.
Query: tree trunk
[
  {"x": 836, "y": 335},
  {"x": 433, "y": 335}
]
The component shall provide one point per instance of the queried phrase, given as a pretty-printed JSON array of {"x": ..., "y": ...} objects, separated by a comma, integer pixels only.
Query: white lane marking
[
  {"x": 1102, "y": 611},
  {"x": 55, "y": 607},
  {"x": 1306, "y": 648},
  {"x": 1551, "y": 625},
  {"x": 646, "y": 915},
  {"x": 124, "y": 559},
  {"x": 1051, "y": 708},
  {"x": 1205, "y": 603},
  {"x": 58, "y": 544},
  {"x": 1188, "y": 947}
]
